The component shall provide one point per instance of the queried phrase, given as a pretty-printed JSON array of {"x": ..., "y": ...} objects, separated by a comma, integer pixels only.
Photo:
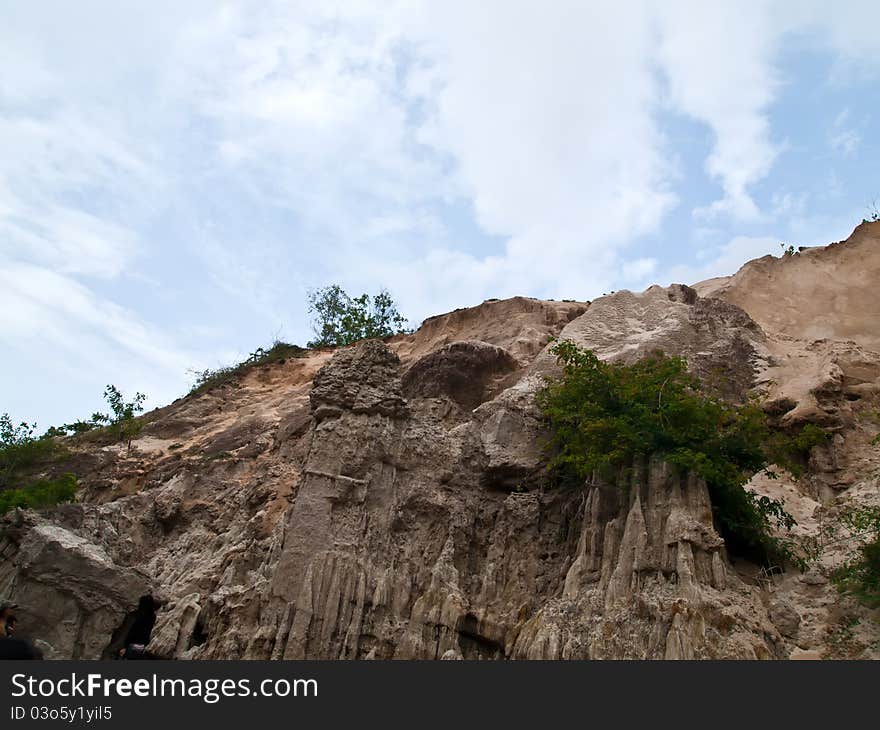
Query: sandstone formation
[{"x": 387, "y": 500}]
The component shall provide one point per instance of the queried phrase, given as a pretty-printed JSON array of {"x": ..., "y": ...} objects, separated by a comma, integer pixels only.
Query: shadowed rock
[{"x": 466, "y": 372}]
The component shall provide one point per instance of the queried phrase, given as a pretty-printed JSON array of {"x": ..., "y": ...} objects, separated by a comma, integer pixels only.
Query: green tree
[
  {"x": 20, "y": 449},
  {"x": 341, "y": 320},
  {"x": 123, "y": 421},
  {"x": 603, "y": 416},
  {"x": 42, "y": 493}
]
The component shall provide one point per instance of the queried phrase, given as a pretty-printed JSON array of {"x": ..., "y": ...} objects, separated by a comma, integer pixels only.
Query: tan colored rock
[{"x": 825, "y": 292}]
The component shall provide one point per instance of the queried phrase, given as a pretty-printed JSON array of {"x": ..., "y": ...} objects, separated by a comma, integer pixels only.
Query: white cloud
[
  {"x": 843, "y": 137},
  {"x": 846, "y": 141},
  {"x": 718, "y": 61},
  {"x": 287, "y": 144},
  {"x": 638, "y": 270},
  {"x": 87, "y": 337},
  {"x": 847, "y": 29},
  {"x": 788, "y": 205},
  {"x": 722, "y": 261},
  {"x": 56, "y": 169},
  {"x": 78, "y": 179},
  {"x": 547, "y": 115},
  {"x": 70, "y": 240}
]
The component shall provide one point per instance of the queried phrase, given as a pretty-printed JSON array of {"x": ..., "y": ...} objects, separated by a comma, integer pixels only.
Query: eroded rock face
[
  {"x": 362, "y": 379},
  {"x": 650, "y": 580},
  {"x": 388, "y": 500},
  {"x": 468, "y": 373}
]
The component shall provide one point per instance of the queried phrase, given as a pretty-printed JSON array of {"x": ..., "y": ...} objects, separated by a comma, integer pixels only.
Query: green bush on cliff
[
  {"x": 603, "y": 416},
  {"x": 39, "y": 494},
  {"x": 21, "y": 455},
  {"x": 341, "y": 320},
  {"x": 859, "y": 576}
]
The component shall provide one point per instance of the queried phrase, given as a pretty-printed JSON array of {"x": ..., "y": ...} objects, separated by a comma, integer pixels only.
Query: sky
[{"x": 175, "y": 177}]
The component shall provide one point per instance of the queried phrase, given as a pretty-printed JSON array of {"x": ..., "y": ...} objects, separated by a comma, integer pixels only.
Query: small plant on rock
[{"x": 123, "y": 422}]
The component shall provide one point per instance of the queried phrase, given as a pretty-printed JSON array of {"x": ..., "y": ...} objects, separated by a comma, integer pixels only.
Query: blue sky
[{"x": 175, "y": 177}]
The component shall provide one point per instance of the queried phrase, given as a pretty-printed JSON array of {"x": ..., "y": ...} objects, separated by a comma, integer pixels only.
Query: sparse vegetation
[
  {"x": 24, "y": 456},
  {"x": 787, "y": 250},
  {"x": 338, "y": 320},
  {"x": 604, "y": 416},
  {"x": 859, "y": 576},
  {"x": 278, "y": 352},
  {"x": 97, "y": 420},
  {"x": 341, "y": 320},
  {"x": 39, "y": 494},
  {"x": 841, "y": 637},
  {"x": 21, "y": 450},
  {"x": 123, "y": 422}
]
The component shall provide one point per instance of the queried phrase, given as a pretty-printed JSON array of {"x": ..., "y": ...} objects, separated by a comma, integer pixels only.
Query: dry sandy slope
[{"x": 819, "y": 293}]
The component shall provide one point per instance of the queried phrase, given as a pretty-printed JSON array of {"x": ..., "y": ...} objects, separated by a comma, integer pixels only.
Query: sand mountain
[{"x": 386, "y": 499}]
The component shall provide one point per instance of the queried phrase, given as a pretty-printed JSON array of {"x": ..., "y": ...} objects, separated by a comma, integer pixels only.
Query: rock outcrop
[
  {"x": 387, "y": 500},
  {"x": 76, "y": 595}
]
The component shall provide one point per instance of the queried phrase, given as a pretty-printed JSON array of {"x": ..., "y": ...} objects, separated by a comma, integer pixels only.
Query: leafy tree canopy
[
  {"x": 122, "y": 421},
  {"x": 341, "y": 320},
  {"x": 603, "y": 416},
  {"x": 42, "y": 493}
]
